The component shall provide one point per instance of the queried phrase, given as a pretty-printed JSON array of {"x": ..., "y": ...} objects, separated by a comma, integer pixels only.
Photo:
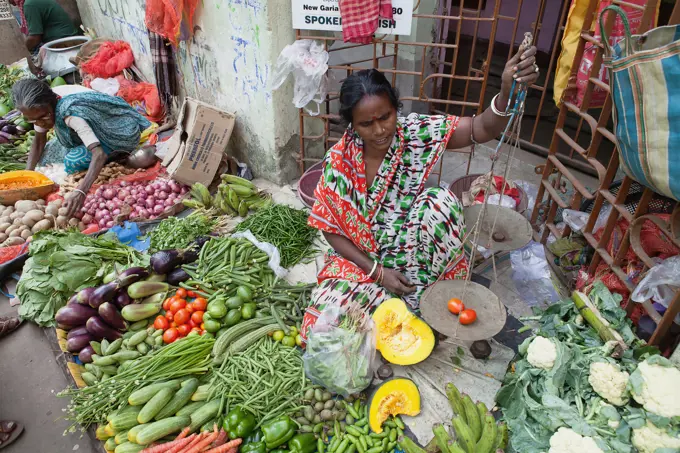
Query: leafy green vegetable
[
  {"x": 175, "y": 233},
  {"x": 63, "y": 262}
]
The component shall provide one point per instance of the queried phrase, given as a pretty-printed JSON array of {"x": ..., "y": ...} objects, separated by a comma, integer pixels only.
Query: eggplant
[
  {"x": 157, "y": 298},
  {"x": 83, "y": 296},
  {"x": 99, "y": 329},
  {"x": 85, "y": 354},
  {"x": 190, "y": 255},
  {"x": 143, "y": 289},
  {"x": 74, "y": 315},
  {"x": 103, "y": 294},
  {"x": 10, "y": 129},
  {"x": 77, "y": 343},
  {"x": 177, "y": 276},
  {"x": 166, "y": 260},
  {"x": 155, "y": 278},
  {"x": 122, "y": 299},
  {"x": 110, "y": 315},
  {"x": 8, "y": 136},
  {"x": 132, "y": 275},
  {"x": 201, "y": 241},
  {"x": 3, "y": 123},
  {"x": 82, "y": 330}
]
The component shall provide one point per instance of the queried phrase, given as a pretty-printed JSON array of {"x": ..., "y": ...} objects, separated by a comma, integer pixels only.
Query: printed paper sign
[{"x": 324, "y": 15}]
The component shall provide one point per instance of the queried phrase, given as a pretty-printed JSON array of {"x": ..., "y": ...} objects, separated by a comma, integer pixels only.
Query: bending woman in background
[
  {"x": 389, "y": 235},
  {"x": 90, "y": 125}
]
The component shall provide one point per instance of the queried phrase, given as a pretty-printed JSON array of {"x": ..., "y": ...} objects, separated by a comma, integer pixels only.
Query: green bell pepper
[
  {"x": 303, "y": 443},
  {"x": 253, "y": 443},
  {"x": 279, "y": 451},
  {"x": 278, "y": 431},
  {"x": 239, "y": 423}
]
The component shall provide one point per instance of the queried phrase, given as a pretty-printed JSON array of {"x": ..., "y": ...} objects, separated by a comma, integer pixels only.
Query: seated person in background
[{"x": 43, "y": 21}]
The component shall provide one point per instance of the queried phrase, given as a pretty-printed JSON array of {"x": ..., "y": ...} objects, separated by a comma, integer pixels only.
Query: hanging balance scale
[{"x": 495, "y": 228}]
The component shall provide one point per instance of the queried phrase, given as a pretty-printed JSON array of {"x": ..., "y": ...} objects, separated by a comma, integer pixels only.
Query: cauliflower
[
  {"x": 649, "y": 438},
  {"x": 654, "y": 384},
  {"x": 609, "y": 382},
  {"x": 542, "y": 353},
  {"x": 566, "y": 440}
]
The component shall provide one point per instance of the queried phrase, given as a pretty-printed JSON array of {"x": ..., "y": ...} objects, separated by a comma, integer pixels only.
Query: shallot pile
[{"x": 141, "y": 200}]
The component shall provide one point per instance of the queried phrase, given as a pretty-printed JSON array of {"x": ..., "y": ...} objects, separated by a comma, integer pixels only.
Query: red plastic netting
[
  {"x": 143, "y": 97},
  {"x": 172, "y": 19},
  {"x": 653, "y": 243},
  {"x": 110, "y": 60}
]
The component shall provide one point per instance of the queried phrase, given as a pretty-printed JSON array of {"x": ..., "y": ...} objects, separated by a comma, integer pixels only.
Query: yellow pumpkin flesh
[
  {"x": 403, "y": 338},
  {"x": 398, "y": 396}
]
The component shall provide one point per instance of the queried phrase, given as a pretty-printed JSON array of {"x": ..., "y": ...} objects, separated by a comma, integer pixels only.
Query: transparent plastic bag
[
  {"x": 339, "y": 359},
  {"x": 308, "y": 62},
  {"x": 531, "y": 275},
  {"x": 270, "y": 249},
  {"x": 660, "y": 283}
]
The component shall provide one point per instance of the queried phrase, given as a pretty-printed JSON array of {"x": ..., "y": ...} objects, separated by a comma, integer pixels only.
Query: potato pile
[{"x": 20, "y": 222}]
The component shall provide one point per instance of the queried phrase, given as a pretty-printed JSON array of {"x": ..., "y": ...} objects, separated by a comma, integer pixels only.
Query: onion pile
[{"x": 142, "y": 200}]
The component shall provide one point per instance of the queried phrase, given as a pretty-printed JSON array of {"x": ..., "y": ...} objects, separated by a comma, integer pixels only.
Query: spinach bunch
[{"x": 63, "y": 262}]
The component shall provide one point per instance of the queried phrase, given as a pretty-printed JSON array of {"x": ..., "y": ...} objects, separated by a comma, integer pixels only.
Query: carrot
[
  {"x": 221, "y": 439},
  {"x": 189, "y": 446},
  {"x": 168, "y": 446},
  {"x": 185, "y": 432},
  {"x": 231, "y": 445},
  {"x": 202, "y": 444},
  {"x": 179, "y": 447}
]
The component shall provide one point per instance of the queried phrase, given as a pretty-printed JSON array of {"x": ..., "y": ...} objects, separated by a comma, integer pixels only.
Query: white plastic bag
[
  {"x": 270, "y": 249},
  {"x": 531, "y": 275},
  {"x": 308, "y": 61},
  {"x": 660, "y": 283},
  {"x": 340, "y": 359}
]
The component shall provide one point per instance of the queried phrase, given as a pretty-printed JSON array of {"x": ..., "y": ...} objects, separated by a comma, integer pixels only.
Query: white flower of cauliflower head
[
  {"x": 609, "y": 382},
  {"x": 542, "y": 353},
  {"x": 566, "y": 440},
  {"x": 649, "y": 438},
  {"x": 660, "y": 392}
]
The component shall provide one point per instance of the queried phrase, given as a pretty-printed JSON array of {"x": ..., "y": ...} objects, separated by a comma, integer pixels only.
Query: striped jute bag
[{"x": 644, "y": 77}]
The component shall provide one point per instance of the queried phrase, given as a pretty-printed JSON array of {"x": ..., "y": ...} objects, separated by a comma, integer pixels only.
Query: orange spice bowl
[{"x": 24, "y": 185}]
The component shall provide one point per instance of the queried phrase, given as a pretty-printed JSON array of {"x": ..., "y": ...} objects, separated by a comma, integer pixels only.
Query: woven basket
[
  {"x": 308, "y": 183},
  {"x": 463, "y": 184}
]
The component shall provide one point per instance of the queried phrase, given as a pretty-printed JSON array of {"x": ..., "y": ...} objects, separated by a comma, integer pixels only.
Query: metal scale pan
[{"x": 512, "y": 230}]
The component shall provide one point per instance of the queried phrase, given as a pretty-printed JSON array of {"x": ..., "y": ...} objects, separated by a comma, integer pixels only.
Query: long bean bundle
[
  {"x": 89, "y": 405},
  {"x": 267, "y": 379},
  {"x": 287, "y": 229}
]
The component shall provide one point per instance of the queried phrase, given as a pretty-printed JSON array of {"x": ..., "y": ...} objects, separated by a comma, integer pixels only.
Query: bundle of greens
[
  {"x": 185, "y": 357},
  {"x": 175, "y": 233},
  {"x": 63, "y": 262},
  {"x": 287, "y": 229},
  {"x": 573, "y": 383}
]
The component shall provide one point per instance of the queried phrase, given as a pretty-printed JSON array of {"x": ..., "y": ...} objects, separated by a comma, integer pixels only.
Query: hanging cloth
[
  {"x": 163, "y": 59},
  {"x": 360, "y": 18}
]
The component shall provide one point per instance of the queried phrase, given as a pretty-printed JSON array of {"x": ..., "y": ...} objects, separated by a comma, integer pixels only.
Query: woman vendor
[
  {"x": 89, "y": 124},
  {"x": 389, "y": 235}
]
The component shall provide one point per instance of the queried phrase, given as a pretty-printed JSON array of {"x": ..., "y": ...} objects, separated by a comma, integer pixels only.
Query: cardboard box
[{"x": 199, "y": 143}]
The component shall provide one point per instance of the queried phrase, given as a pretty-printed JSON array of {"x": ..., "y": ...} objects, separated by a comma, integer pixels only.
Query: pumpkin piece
[
  {"x": 403, "y": 338},
  {"x": 397, "y": 396}
]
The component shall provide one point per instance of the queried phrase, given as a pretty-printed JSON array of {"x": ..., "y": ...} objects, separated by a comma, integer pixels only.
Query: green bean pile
[
  {"x": 89, "y": 405},
  {"x": 227, "y": 263},
  {"x": 176, "y": 233},
  {"x": 287, "y": 229},
  {"x": 267, "y": 379},
  {"x": 291, "y": 300}
]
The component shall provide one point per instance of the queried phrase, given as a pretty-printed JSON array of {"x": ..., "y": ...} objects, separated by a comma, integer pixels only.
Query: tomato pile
[{"x": 183, "y": 314}]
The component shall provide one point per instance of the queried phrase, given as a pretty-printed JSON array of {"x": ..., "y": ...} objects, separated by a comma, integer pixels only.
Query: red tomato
[
  {"x": 468, "y": 316},
  {"x": 196, "y": 329},
  {"x": 456, "y": 306},
  {"x": 184, "y": 330},
  {"x": 166, "y": 304},
  {"x": 161, "y": 323},
  {"x": 181, "y": 293},
  {"x": 182, "y": 316},
  {"x": 190, "y": 308},
  {"x": 177, "y": 305},
  {"x": 202, "y": 327},
  {"x": 191, "y": 294},
  {"x": 192, "y": 323},
  {"x": 173, "y": 324},
  {"x": 169, "y": 316},
  {"x": 170, "y": 335},
  {"x": 197, "y": 317},
  {"x": 200, "y": 304}
]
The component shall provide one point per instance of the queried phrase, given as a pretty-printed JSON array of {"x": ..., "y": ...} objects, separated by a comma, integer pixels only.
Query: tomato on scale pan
[{"x": 466, "y": 316}]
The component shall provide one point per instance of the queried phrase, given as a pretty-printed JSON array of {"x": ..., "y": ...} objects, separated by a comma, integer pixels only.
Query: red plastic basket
[
  {"x": 308, "y": 183},
  {"x": 463, "y": 184}
]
